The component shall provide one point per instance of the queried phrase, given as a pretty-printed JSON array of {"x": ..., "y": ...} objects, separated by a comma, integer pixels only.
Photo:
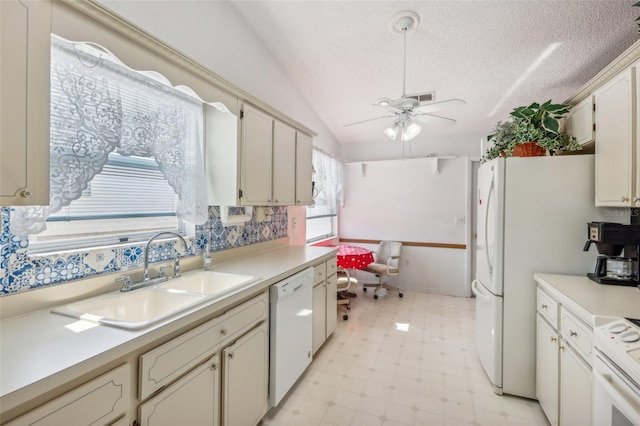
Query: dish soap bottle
[{"x": 206, "y": 258}]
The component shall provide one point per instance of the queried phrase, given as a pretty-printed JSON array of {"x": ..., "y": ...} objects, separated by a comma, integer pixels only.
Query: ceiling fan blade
[
  {"x": 370, "y": 119},
  {"x": 389, "y": 107},
  {"x": 439, "y": 106},
  {"x": 434, "y": 119}
]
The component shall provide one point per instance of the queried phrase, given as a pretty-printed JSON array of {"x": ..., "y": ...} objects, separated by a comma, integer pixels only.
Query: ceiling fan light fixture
[
  {"x": 392, "y": 132},
  {"x": 410, "y": 132},
  {"x": 383, "y": 102}
]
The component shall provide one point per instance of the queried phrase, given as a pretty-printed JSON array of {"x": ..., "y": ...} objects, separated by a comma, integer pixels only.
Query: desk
[{"x": 351, "y": 257}]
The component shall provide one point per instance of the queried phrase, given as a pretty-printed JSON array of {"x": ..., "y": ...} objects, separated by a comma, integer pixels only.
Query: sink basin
[
  {"x": 131, "y": 310},
  {"x": 211, "y": 283}
]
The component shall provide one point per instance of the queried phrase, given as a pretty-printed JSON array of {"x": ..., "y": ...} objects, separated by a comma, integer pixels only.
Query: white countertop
[
  {"x": 590, "y": 299},
  {"x": 39, "y": 353}
]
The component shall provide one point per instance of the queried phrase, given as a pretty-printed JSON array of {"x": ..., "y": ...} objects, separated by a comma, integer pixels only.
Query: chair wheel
[
  {"x": 400, "y": 294},
  {"x": 345, "y": 317},
  {"x": 364, "y": 289},
  {"x": 375, "y": 296}
]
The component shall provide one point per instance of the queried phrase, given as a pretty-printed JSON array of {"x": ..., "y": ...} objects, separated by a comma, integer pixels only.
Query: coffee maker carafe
[{"x": 618, "y": 247}]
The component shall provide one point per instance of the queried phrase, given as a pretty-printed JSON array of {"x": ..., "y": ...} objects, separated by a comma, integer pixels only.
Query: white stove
[{"x": 616, "y": 371}]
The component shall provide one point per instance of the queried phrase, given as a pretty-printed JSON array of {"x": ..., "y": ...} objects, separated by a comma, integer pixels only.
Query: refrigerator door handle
[
  {"x": 486, "y": 227},
  {"x": 479, "y": 294}
]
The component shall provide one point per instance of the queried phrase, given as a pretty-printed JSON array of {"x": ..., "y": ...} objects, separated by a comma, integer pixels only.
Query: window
[
  {"x": 322, "y": 217},
  {"x": 127, "y": 201},
  {"x": 125, "y": 154}
]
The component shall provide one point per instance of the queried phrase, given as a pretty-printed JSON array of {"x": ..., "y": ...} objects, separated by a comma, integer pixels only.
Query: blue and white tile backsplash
[{"x": 19, "y": 273}]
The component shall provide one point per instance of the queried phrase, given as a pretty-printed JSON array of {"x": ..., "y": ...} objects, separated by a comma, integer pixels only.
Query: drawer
[
  {"x": 548, "y": 308},
  {"x": 320, "y": 273},
  {"x": 99, "y": 401},
  {"x": 332, "y": 266},
  {"x": 578, "y": 334},
  {"x": 166, "y": 363}
]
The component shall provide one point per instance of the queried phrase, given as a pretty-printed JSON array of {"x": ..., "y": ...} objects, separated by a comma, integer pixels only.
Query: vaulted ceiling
[{"x": 495, "y": 55}]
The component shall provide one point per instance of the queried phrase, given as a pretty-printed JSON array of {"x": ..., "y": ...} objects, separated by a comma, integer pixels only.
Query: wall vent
[{"x": 423, "y": 97}]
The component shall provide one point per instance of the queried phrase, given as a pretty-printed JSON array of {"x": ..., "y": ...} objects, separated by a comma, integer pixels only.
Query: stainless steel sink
[
  {"x": 133, "y": 310},
  {"x": 210, "y": 283}
]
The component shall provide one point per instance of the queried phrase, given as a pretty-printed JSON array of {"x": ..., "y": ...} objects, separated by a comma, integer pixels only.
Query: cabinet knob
[
  {"x": 26, "y": 193},
  {"x": 624, "y": 199},
  {"x": 544, "y": 306},
  {"x": 224, "y": 331},
  {"x": 230, "y": 355},
  {"x": 636, "y": 199},
  {"x": 573, "y": 333},
  {"x": 553, "y": 339},
  {"x": 275, "y": 201},
  {"x": 214, "y": 366},
  {"x": 562, "y": 348}
]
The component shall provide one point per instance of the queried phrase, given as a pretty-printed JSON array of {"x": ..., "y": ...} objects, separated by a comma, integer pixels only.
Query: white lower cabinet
[
  {"x": 98, "y": 402},
  {"x": 547, "y": 363},
  {"x": 246, "y": 378},
  {"x": 564, "y": 378},
  {"x": 319, "y": 316},
  {"x": 198, "y": 390},
  {"x": 216, "y": 373},
  {"x": 576, "y": 389},
  {"x": 325, "y": 303}
]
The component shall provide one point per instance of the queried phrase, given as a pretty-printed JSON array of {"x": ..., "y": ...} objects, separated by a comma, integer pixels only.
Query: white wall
[
  {"x": 213, "y": 34},
  {"x": 406, "y": 201}
]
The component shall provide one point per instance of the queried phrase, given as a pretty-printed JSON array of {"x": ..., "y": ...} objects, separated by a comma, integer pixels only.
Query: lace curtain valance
[
  {"x": 328, "y": 180},
  {"x": 99, "y": 106}
]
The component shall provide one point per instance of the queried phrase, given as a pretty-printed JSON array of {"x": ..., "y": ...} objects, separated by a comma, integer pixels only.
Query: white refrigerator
[{"x": 532, "y": 217}]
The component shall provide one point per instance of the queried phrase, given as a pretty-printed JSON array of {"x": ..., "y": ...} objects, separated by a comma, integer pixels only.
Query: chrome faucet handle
[
  {"x": 127, "y": 282},
  {"x": 161, "y": 272},
  {"x": 176, "y": 267}
]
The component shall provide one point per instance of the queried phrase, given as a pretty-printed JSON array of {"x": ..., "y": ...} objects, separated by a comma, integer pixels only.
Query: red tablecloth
[{"x": 351, "y": 257}]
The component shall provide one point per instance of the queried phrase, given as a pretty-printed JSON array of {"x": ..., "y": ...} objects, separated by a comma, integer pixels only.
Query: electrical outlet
[
  {"x": 460, "y": 220},
  {"x": 294, "y": 222}
]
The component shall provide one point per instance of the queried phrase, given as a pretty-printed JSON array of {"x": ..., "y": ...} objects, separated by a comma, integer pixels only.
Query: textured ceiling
[{"x": 342, "y": 55}]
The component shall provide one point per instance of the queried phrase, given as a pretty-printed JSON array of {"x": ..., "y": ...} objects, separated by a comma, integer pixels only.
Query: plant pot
[{"x": 529, "y": 149}]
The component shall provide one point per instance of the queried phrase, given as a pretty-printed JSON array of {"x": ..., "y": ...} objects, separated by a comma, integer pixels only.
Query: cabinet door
[
  {"x": 246, "y": 378},
  {"x": 576, "y": 386},
  {"x": 284, "y": 164},
  {"x": 192, "y": 400},
  {"x": 332, "y": 304},
  {"x": 99, "y": 401},
  {"x": 614, "y": 140},
  {"x": 25, "y": 45},
  {"x": 580, "y": 121},
  {"x": 319, "y": 316},
  {"x": 304, "y": 169},
  {"x": 257, "y": 136},
  {"x": 547, "y": 369}
]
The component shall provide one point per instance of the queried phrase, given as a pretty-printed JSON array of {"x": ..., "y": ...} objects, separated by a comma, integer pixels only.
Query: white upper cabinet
[
  {"x": 262, "y": 162},
  {"x": 25, "y": 46},
  {"x": 579, "y": 121},
  {"x": 304, "y": 169},
  {"x": 256, "y": 154},
  {"x": 284, "y": 164},
  {"x": 615, "y": 123}
]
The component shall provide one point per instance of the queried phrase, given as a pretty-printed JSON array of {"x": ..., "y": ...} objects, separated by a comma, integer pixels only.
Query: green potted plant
[
  {"x": 501, "y": 139},
  {"x": 534, "y": 130}
]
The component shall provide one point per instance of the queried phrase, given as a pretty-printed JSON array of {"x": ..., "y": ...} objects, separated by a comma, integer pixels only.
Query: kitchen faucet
[
  {"x": 128, "y": 285},
  {"x": 176, "y": 262}
]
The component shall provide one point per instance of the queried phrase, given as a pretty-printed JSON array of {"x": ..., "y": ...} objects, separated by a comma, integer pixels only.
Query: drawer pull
[
  {"x": 544, "y": 306},
  {"x": 573, "y": 333},
  {"x": 553, "y": 339},
  {"x": 224, "y": 331}
]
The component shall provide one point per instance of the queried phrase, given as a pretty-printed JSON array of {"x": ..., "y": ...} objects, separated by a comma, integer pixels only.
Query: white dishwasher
[{"x": 291, "y": 329}]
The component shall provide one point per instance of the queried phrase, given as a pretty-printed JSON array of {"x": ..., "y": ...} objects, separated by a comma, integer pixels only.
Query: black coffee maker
[{"x": 618, "y": 246}]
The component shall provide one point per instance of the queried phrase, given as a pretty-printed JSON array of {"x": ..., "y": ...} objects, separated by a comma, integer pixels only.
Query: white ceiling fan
[{"x": 407, "y": 110}]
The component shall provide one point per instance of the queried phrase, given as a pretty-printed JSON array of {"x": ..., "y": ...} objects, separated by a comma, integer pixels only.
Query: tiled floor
[{"x": 408, "y": 361}]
